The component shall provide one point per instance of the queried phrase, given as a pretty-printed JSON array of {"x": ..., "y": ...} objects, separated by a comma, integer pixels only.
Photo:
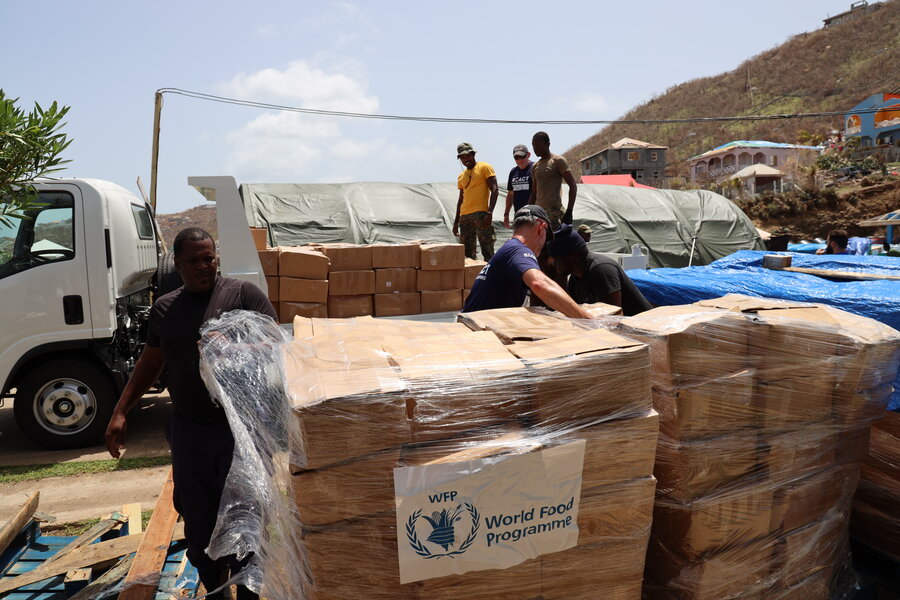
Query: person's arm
[
  {"x": 509, "y": 203},
  {"x": 614, "y": 298},
  {"x": 145, "y": 374},
  {"x": 532, "y": 197},
  {"x": 495, "y": 191},
  {"x": 553, "y": 295},
  {"x": 573, "y": 192},
  {"x": 456, "y": 218}
]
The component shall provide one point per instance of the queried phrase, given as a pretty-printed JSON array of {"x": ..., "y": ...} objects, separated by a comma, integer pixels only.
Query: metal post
[{"x": 154, "y": 157}]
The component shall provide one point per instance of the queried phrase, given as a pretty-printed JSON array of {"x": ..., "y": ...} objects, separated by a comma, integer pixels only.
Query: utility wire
[{"x": 356, "y": 115}]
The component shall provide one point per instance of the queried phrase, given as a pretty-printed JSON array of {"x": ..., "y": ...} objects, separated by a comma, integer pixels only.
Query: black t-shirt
[
  {"x": 519, "y": 182},
  {"x": 500, "y": 285},
  {"x": 602, "y": 277},
  {"x": 174, "y": 326}
]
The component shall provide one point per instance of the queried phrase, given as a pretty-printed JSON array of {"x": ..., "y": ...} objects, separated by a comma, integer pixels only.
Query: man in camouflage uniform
[
  {"x": 477, "y": 197},
  {"x": 547, "y": 176}
]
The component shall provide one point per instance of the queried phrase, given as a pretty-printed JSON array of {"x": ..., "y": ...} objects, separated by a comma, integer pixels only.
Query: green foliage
[
  {"x": 31, "y": 146},
  {"x": 15, "y": 474}
]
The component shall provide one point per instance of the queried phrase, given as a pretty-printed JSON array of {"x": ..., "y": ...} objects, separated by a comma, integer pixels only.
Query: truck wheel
[
  {"x": 64, "y": 404},
  {"x": 167, "y": 276}
]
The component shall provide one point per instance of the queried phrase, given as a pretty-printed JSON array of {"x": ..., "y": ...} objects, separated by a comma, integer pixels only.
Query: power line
[{"x": 357, "y": 115}]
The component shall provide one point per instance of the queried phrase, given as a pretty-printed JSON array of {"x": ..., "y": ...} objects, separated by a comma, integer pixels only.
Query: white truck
[{"x": 76, "y": 284}]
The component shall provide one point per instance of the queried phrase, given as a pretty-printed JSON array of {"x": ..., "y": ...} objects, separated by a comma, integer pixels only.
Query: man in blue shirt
[
  {"x": 518, "y": 184},
  {"x": 513, "y": 273}
]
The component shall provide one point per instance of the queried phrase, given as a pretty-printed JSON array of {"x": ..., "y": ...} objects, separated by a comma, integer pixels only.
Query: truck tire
[
  {"x": 167, "y": 276},
  {"x": 64, "y": 404}
]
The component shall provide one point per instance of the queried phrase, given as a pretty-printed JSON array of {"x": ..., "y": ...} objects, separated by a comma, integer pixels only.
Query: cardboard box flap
[
  {"x": 517, "y": 323},
  {"x": 599, "y": 309},
  {"x": 452, "y": 356},
  {"x": 668, "y": 320},
  {"x": 583, "y": 342},
  {"x": 303, "y": 327},
  {"x": 348, "y": 354},
  {"x": 742, "y": 303},
  {"x": 510, "y": 443},
  {"x": 341, "y": 327}
]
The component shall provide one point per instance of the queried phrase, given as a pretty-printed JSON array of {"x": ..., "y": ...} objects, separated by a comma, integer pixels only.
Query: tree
[{"x": 31, "y": 146}]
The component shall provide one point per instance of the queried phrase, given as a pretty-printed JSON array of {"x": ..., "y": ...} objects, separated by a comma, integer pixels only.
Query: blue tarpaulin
[{"x": 743, "y": 273}]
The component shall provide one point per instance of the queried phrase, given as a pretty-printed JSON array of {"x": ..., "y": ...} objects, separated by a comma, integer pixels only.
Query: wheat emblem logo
[{"x": 443, "y": 532}]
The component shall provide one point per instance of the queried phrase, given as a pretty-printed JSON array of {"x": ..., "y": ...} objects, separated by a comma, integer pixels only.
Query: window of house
[
  {"x": 655, "y": 174},
  {"x": 773, "y": 161},
  {"x": 633, "y": 156},
  {"x": 640, "y": 175},
  {"x": 653, "y": 156}
]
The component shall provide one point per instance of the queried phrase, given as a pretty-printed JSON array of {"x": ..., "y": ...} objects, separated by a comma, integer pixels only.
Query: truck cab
[{"x": 75, "y": 281}]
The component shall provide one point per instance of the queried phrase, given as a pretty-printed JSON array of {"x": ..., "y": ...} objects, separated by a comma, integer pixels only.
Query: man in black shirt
[
  {"x": 594, "y": 277},
  {"x": 198, "y": 433}
]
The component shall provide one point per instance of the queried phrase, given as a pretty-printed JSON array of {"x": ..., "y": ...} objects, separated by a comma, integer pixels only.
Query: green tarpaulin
[{"x": 666, "y": 223}]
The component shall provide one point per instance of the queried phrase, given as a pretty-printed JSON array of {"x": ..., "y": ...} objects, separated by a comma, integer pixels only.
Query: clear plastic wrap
[{"x": 765, "y": 408}]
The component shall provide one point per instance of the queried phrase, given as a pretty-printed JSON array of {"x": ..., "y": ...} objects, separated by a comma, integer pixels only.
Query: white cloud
[{"x": 306, "y": 85}]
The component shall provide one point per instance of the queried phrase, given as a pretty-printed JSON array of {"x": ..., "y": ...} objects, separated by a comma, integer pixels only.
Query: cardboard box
[
  {"x": 446, "y": 279},
  {"x": 713, "y": 524},
  {"x": 272, "y": 288},
  {"x": 610, "y": 570},
  {"x": 821, "y": 545},
  {"x": 691, "y": 469},
  {"x": 387, "y": 256},
  {"x": 437, "y": 257},
  {"x": 268, "y": 260},
  {"x": 797, "y": 454},
  {"x": 712, "y": 407},
  {"x": 288, "y": 310},
  {"x": 444, "y": 301},
  {"x": 397, "y": 304},
  {"x": 347, "y": 257},
  {"x": 807, "y": 500},
  {"x": 876, "y": 528},
  {"x": 815, "y": 586},
  {"x": 351, "y": 283},
  {"x": 260, "y": 237},
  {"x": 350, "y": 306},
  {"x": 291, "y": 289},
  {"x": 388, "y": 281},
  {"x": 618, "y": 450},
  {"x": 520, "y": 582},
  {"x": 465, "y": 296},
  {"x": 518, "y": 323},
  {"x": 615, "y": 511},
  {"x": 793, "y": 396},
  {"x": 472, "y": 269},
  {"x": 303, "y": 262},
  {"x": 586, "y": 378}
]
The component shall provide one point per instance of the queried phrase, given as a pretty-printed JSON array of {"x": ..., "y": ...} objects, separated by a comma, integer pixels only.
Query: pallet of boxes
[
  {"x": 438, "y": 462},
  {"x": 765, "y": 409}
]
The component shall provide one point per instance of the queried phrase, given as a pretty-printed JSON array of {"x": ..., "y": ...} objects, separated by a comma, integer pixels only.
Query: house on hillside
[
  {"x": 643, "y": 161},
  {"x": 857, "y": 9},
  {"x": 875, "y": 121},
  {"x": 723, "y": 162}
]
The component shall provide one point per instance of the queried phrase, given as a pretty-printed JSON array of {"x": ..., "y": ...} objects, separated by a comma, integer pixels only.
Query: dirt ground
[{"x": 82, "y": 497}]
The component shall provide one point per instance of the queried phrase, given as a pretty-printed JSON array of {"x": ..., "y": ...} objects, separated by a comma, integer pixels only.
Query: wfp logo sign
[{"x": 445, "y": 528}]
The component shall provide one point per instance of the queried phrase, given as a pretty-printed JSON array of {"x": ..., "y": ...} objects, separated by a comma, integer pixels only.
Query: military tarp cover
[{"x": 669, "y": 225}]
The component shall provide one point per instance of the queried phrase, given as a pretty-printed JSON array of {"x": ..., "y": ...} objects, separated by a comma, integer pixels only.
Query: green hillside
[{"x": 830, "y": 69}]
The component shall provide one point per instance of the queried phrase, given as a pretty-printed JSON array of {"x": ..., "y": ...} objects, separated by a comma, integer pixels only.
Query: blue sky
[{"x": 508, "y": 60}]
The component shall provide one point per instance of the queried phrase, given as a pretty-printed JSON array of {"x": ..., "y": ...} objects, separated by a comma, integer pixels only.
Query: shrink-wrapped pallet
[{"x": 765, "y": 408}]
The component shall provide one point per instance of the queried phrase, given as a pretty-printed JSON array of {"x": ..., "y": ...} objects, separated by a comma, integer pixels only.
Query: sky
[{"x": 522, "y": 60}]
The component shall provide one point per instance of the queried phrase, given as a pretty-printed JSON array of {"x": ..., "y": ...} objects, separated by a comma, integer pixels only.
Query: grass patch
[
  {"x": 76, "y": 528},
  {"x": 16, "y": 474}
]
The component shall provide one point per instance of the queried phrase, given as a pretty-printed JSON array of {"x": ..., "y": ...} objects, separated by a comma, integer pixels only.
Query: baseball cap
[
  {"x": 464, "y": 148},
  {"x": 565, "y": 241},
  {"x": 520, "y": 150},
  {"x": 533, "y": 210},
  {"x": 583, "y": 228}
]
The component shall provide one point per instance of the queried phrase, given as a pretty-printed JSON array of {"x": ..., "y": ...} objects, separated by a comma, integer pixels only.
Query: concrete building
[
  {"x": 875, "y": 121},
  {"x": 857, "y": 9},
  {"x": 644, "y": 161},
  {"x": 723, "y": 162}
]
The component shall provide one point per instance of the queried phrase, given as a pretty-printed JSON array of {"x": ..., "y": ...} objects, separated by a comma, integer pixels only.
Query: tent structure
[{"x": 674, "y": 228}]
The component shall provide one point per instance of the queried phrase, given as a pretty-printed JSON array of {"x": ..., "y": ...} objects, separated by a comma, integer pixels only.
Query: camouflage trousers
[
  {"x": 556, "y": 214},
  {"x": 470, "y": 228}
]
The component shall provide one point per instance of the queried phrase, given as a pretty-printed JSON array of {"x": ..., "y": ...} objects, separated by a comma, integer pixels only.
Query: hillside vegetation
[{"x": 830, "y": 69}]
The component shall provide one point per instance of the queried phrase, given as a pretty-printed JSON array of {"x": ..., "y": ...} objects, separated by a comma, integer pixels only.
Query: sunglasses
[{"x": 520, "y": 157}]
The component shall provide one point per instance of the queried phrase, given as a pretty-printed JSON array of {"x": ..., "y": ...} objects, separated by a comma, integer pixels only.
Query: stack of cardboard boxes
[
  {"x": 764, "y": 411},
  {"x": 372, "y": 396},
  {"x": 472, "y": 269},
  {"x": 441, "y": 277},
  {"x": 396, "y": 269}
]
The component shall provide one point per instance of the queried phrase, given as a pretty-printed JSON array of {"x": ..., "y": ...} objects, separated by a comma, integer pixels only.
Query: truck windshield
[{"x": 44, "y": 234}]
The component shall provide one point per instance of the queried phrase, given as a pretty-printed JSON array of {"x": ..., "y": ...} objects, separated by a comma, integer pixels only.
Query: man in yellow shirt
[
  {"x": 477, "y": 196},
  {"x": 547, "y": 176}
]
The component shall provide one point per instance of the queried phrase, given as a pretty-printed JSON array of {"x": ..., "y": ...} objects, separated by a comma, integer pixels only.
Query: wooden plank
[
  {"x": 12, "y": 527},
  {"x": 105, "y": 581},
  {"x": 86, "y": 556},
  {"x": 851, "y": 275},
  {"x": 133, "y": 512},
  {"x": 151, "y": 556},
  {"x": 89, "y": 536}
]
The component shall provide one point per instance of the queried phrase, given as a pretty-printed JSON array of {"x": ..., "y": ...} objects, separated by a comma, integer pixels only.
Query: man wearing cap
[
  {"x": 513, "y": 272},
  {"x": 593, "y": 277},
  {"x": 477, "y": 198},
  {"x": 518, "y": 185},
  {"x": 585, "y": 232},
  {"x": 547, "y": 176}
]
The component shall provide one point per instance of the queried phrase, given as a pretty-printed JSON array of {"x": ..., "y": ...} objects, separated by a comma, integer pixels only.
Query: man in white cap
[
  {"x": 518, "y": 185},
  {"x": 477, "y": 197},
  {"x": 513, "y": 273}
]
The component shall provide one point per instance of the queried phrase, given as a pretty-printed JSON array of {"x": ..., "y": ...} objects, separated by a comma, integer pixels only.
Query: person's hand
[
  {"x": 820, "y": 251},
  {"x": 115, "y": 434},
  {"x": 506, "y": 220},
  {"x": 455, "y": 230},
  {"x": 567, "y": 218},
  {"x": 486, "y": 220}
]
